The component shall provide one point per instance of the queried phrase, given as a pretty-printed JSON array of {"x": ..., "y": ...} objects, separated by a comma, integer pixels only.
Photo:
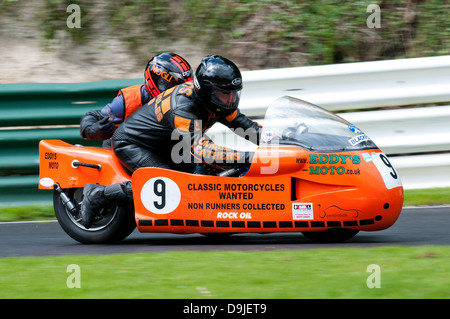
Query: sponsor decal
[
  {"x": 230, "y": 195},
  {"x": 302, "y": 211},
  {"x": 335, "y": 161},
  {"x": 358, "y": 139},
  {"x": 367, "y": 157},
  {"x": 160, "y": 72},
  {"x": 52, "y": 157},
  {"x": 187, "y": 73},
  {"x": 267, "y": 135},
  {"x": 236, "y": 81},
  {"x": 354, "y": 129},
  {"x": 336, "y": 211}
]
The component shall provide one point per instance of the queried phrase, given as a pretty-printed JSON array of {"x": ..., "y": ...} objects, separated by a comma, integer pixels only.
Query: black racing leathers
[{"x": 168, "y": 132}]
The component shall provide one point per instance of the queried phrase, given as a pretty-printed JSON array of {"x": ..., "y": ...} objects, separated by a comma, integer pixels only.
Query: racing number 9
[
  {"x": 159, "y": 188},
  {"x": 160, "y": 195},
  {"x": 386, "y": 169},
  {"x": 388, "y": 164}
]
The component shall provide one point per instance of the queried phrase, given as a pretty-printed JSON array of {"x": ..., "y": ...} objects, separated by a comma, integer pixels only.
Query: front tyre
[
  {"x": 333, "y": 235},
  {"x": 114, "y": 223}
]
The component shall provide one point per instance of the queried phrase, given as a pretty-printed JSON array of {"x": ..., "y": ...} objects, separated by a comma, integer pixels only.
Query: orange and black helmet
[{"x": 164, "y": 71}]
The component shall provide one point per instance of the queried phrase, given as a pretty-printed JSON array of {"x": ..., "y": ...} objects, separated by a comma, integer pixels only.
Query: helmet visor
[{"x": 225, "y": 99}]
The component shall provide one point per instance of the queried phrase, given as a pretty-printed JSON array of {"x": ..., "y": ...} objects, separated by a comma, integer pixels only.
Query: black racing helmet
[
  {"x": 164, "y": 71},
  {"x": 218, "y": 83}
]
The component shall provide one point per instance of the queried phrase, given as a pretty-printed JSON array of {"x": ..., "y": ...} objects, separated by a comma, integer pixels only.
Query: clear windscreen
[{"x": 290, "y": 121}]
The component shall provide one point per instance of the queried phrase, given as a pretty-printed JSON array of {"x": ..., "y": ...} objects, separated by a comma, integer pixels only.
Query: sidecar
[{"x": 313, "y": 173}]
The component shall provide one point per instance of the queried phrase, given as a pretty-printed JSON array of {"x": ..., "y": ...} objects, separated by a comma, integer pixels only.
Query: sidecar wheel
[
  {"x": 114, "y": 224},
  {"x": 333, "y": 235}
]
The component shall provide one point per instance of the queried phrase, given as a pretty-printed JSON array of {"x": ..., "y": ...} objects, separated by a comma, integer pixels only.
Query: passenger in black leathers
[{"x": 168, "y": 131}]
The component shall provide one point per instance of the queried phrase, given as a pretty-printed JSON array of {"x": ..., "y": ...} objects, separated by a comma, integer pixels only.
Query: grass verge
[
  {"x": 26, "y": 213},
  {"x": 403, "y": 273},
  {"x": 433, "y": 196}
]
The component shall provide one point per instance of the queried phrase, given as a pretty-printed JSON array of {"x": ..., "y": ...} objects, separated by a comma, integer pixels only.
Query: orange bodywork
[
  {"x": 287, "y": 189},
  {"x": 56, "y": 160}
]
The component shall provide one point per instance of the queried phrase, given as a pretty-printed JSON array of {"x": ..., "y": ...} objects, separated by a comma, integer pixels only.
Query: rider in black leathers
[{"x": 168, "y": 131}]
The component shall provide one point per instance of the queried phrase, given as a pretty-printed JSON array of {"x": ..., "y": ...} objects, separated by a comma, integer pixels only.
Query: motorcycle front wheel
[{"x": 114, "y": 223}]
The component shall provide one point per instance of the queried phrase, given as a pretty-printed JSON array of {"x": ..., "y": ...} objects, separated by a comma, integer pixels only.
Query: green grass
[
  {"x": 405, "y": 272},
  {"x": 436, "y": 196},
  {"x": 26, "y": 213}
]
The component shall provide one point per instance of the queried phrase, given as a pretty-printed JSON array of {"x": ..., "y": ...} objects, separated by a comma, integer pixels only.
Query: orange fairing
[
  {"x": 58, "y": 164},
  {"x": 277, "y": 160},
  {"x": 299, "y": 191}
]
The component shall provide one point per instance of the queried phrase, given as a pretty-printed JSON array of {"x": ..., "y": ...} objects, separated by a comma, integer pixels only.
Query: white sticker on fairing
[
  {"x": 46, "y": 182},
  {"x": 267, "y": 135},
  {"x": 358, "y": 139},
  {"x": 388, "y": 173},
  {"x": 160, "y": 195},
  {"x": 302, "y": 211},
  {"x": 367, "y": 157}
]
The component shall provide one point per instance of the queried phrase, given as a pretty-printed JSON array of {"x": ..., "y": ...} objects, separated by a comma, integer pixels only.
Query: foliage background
[{"x": 255, "y": 34}]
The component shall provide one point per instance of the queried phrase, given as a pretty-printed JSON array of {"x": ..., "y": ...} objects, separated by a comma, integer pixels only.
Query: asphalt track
[{"x": 415, "y": 227}]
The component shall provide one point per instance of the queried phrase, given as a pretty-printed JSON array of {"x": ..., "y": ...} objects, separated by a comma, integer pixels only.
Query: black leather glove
[{"x": 95, "y": 125}]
